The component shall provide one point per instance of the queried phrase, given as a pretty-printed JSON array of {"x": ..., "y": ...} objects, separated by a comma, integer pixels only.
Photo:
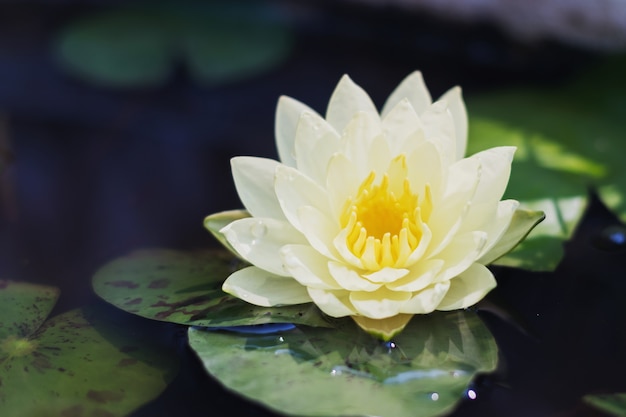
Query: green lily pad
[
  {"x": 74, "y": 364},
  {"x": 569, "y": 140},
  {"x": 613, "y": 404},
  {"x": 24, "y": 307},
  {"x": 346, "y": 372},
  {"x": 139, "y": 46},
  {"x": 185, "y": 288}
]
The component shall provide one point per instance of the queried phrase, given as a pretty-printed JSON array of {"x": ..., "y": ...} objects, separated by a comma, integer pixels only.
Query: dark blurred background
[{"x": 118, "y": 119}]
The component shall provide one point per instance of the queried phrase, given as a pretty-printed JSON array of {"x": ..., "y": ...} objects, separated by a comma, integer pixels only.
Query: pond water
[{"x": 96, "y": 172}]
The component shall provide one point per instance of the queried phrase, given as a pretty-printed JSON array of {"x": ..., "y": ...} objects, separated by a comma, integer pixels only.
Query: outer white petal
[
  {"x": 347, "y": 99},
  {"x": 316, "y": 142},
  {"x": 449, "y": 213},
  {"x": 413, "y": 89},
  {"x": 495, "y": 169},
  {"x": 426, "y": 300},
  {"x": 456, "y": 106},
  {"x": 497, "y": 226},
  {"x": 462, "y": 251},
  {"x": 262, "y": 288},
  {"x": 308, "y": 267},
  {"x": 295, "y": 190},
  {"x": 468, "y": 288},
  {"x": 350, "y": 279},
  {"x": 258, "y": 240},
  {"x": 288, "y": 112},
  {"x": 254, "y": 181},
  {"x": 333, "y": 303},
  {"x": 419, "y": 277},
  {"x": 379, "y": 304}
]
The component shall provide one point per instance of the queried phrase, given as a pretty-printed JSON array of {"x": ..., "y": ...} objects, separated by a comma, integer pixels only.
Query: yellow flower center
[{"x": 384, "y": 227}]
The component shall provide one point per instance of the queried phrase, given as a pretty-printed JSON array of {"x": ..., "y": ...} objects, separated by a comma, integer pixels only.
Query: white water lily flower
[{"x": 374, "y": 216}]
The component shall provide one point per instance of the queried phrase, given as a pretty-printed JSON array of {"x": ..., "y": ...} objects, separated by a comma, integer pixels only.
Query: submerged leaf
[
  {"x": 613, "y": 404},
  {"x": 185, "y": 288},
  {"x": 345, "y": 372}
]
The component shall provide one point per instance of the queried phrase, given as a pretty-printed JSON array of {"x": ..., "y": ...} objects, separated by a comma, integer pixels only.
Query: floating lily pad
[
  {"x": 185, "y": 288},
  {"x": 569, "y": 140},
  {"x": 74, "y": 364},
  {"x": 24, "y": 307},
  {"x": 139, "y": 46},
  {"x": 309, "y": 371},
  {"x": 613, "y": 404}
]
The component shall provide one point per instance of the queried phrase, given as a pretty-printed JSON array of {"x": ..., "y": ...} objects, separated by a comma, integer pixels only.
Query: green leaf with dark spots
[
  {"x": 24, "y": 307},
  {"x": 185, "y": 288},
  {"x": 346, "y": 372},
  {"x": 81, "y": 364}
]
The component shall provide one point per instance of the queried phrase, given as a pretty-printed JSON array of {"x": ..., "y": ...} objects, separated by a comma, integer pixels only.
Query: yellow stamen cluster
[{"x": 383, "y": 229}]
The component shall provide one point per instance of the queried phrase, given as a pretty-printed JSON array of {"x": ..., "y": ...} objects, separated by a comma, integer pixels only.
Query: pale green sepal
[
  {"x": 522, "y": 223},
  {"x": 217, "y": 221}
]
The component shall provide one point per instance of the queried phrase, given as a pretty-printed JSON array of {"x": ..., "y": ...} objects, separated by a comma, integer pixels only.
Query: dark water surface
[{"x": 98, "y": 172}]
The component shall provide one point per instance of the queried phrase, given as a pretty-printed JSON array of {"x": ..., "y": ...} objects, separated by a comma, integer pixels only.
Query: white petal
[
  {"x": 419, "y": 276},
  {"x": 316, "y": 142},
  {"x": 439, "y": 127},
  {"x": 254, "y": 181},
  {"x": 379, "y": 304},
  {"x": 449, "y": 213},
  {"x": 456, "y": 106},
  {"x": 319, "y": 231},
  {"x": 422, "y": 247},
  {"x": 288, "y": 112},
  {"x": 387, "y": 275},
  {"x": 494, "y": 172},
  {"x": 358, "y": 136},
  {"x": 262, "y": 288},
  {"x": 295, "y": 190},
  {"x": 333, "y": 303},
  {"x": 462, "y": 251},
  {"x": 497, "y": 225},
  {"x": 345, "y": 254},
  {"x": 425, "y": 167},
  {"x": 308, "y": 267},
  {"x": 347, "y": 99},
  {"x": 413, "y": 89},
  {"x": 378, "y": 156},
  {"x": 258, "y": 240},
  {"x": 350, "y": 279},
  {"x": 426, "y": 300},
  {"x": 341, "y": 182},
  {"x": 468, "y": 288},
  {"x": 400, "y": 124}
]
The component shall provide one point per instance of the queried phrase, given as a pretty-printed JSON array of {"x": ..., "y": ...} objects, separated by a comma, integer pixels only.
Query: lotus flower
[{"x": 373, "y": 216}]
